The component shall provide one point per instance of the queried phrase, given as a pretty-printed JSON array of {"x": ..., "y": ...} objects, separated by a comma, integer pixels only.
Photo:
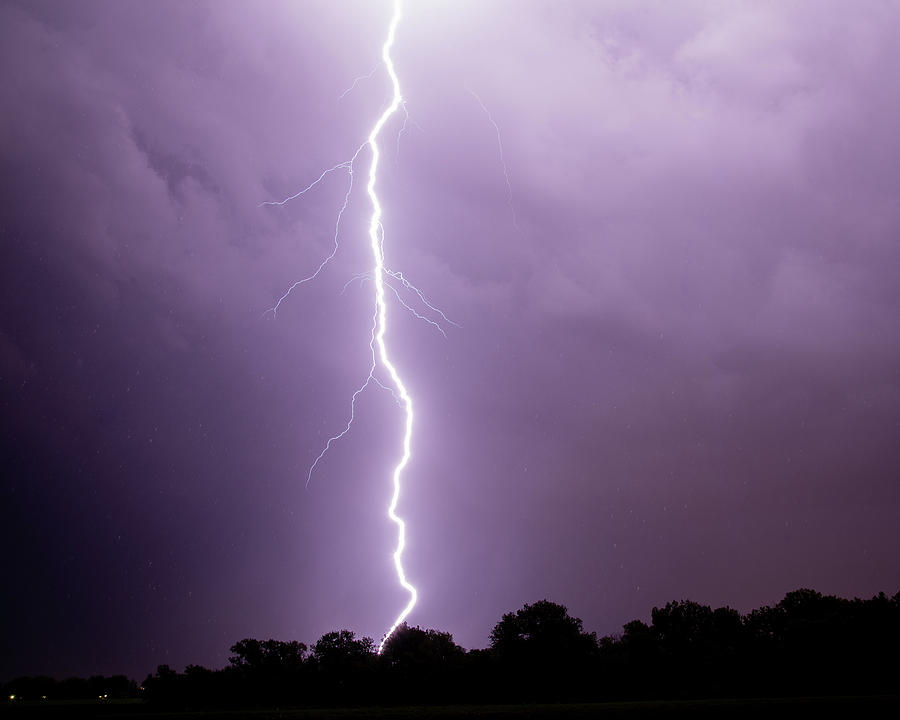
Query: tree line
[{"x": 807, "y": 644}]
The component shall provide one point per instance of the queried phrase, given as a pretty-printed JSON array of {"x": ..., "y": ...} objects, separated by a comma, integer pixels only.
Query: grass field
[{"x": 767, "y": 708}]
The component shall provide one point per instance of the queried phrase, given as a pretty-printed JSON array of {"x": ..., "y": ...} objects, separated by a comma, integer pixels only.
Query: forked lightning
[{"x": 380, "y": 275}]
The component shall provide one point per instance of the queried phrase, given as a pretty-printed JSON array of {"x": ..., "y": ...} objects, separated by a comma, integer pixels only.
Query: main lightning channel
[
  {"x": 380, "y": 273},
  {"x": 376, "y": 242}
]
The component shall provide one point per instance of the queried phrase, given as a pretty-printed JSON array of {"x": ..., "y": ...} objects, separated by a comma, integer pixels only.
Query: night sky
[{"x": 677, "y": 367}]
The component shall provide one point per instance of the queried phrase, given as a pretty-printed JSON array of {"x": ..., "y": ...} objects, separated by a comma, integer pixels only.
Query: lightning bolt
[
  {"x": 379, "y": 273},
  {"x": 377, "y": 245}
]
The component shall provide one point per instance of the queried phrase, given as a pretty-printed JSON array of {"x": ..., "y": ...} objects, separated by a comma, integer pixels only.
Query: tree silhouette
[
  {"x": 422, "y": 665},
  {"x": 256, "y": 655},
  {"x": 412, "y": 647},
  {"x": 344, "y": 667},
  {"x": 807, "y": 644},
  {"x": 542, "y": 631},
  {"x": 543, "y": 652},
  {"x": 697, "y": 647},
  {"x": 342, "y": 649}
]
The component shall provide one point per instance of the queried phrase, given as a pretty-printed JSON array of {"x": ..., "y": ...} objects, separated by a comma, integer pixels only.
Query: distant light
[{"x": 12, "y": 697}]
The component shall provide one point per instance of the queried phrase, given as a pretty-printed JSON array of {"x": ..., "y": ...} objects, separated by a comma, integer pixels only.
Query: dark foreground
[{"x": 855, "y": 707}]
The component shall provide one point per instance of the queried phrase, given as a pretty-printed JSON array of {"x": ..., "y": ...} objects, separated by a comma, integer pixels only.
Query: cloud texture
[{"x": 677, "y": 371}]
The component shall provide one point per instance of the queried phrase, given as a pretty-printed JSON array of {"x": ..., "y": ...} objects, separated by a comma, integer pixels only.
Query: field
[{"x": 882, "y": 706}]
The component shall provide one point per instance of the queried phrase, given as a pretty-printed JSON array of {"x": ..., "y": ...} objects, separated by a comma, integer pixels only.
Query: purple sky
[{"x": 678, "y": 378}]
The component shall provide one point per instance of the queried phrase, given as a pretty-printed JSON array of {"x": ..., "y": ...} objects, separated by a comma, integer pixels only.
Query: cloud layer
[{"x": 676, "y": 371}]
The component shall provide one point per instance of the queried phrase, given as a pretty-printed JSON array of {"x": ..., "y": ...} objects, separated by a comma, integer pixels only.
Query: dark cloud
[{"x": 675, "y": 371}]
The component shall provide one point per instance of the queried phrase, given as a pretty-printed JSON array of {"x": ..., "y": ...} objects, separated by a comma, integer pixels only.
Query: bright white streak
[
  {"x": 379, "y": 319},
  {"x": 381, "y": 315}
]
